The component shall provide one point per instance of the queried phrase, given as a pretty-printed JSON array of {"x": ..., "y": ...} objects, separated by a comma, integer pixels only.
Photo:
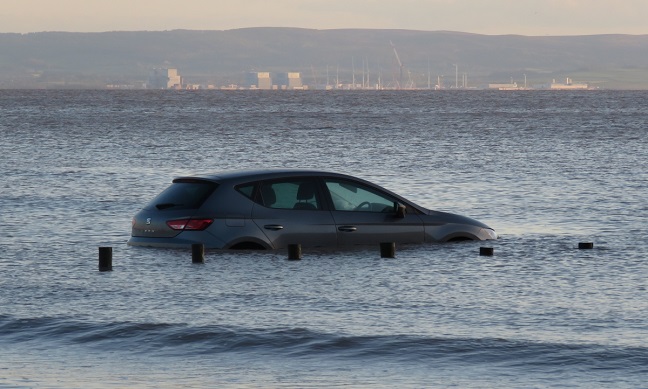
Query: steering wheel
[{"x": 364, "y": 204}]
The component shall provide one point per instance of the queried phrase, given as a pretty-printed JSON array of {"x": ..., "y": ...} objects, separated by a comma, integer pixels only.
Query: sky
[{"x": 491, "y": 17}]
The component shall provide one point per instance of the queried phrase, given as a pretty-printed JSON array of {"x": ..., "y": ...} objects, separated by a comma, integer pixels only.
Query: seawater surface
[{"x": 546, "y": 169}]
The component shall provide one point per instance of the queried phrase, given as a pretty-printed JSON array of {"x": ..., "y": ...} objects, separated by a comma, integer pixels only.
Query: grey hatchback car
[{"x": 270, "y": 209}]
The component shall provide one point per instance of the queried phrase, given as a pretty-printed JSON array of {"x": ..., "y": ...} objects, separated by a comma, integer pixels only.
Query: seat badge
[{"x": 148, "y": 221}]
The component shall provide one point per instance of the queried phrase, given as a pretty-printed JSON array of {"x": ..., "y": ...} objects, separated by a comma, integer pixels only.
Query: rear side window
[
  {"x": 247, "y": 190},
  {"x": 183, "y": 194}
]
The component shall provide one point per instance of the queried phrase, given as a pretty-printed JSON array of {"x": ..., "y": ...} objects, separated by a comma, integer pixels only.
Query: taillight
[{"x": 190, "y": 224}]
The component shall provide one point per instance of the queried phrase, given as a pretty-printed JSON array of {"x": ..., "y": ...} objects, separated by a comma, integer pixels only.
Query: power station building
[
  {"x": 290, "y": 80},
  {"x": 267, "y": 80},
  {"x": 164, "y": 79},
  {"x": 258, "y": 80}
]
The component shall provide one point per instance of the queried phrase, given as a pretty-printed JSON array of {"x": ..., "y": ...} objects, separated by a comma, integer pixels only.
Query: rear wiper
[{"x": 166, "y": 205}]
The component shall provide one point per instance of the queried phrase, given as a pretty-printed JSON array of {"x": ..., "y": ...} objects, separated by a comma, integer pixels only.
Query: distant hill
[{"x": 51, "y": 59}]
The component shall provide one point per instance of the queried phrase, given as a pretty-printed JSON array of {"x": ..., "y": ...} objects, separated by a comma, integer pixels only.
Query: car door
[
  {"x": 365, "y": 215},
  {"x": 291, "y": 211}
]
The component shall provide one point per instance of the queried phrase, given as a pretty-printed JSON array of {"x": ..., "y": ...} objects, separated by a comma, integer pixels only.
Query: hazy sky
[{"x": 525, "y": 17}]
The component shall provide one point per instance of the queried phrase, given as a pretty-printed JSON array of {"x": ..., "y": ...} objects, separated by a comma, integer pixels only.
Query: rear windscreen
[{"x": 183, "y": 194}]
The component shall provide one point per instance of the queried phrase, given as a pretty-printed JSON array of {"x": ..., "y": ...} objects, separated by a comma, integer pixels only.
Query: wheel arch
[
  {"x": 247, "y": 243},
  {"x": 459, "y": 237}
]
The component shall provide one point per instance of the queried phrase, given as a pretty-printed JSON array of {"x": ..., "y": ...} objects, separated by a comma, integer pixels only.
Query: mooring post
[
  {"x": 586, "y": 245},
  {"x": 388, "y": 250},
  {"x": 198, "y": 253},
  {"x": 294, "y": 252},
  {"x": 487, "y": 251},
  {"x": 105, "y": 258}
]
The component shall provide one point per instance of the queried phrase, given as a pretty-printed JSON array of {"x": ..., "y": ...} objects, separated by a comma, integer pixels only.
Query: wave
[{"x": 183, "y": 339}]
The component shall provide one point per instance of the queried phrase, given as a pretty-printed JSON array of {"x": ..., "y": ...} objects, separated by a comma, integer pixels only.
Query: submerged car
[{"x": 271, "y": 209}]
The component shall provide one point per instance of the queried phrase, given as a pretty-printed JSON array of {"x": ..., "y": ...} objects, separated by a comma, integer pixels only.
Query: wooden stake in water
[
  {"x": 198, "y": 253},
  {"x": 105, "y": 258},
  {"x": 294, "y": 252},
  {"x": 487, "y": 251},
  {"x": 388, "y": 250}
]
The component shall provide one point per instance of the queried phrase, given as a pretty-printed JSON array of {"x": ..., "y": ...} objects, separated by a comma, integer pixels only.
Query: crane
[{"x": 400, "y": 65}]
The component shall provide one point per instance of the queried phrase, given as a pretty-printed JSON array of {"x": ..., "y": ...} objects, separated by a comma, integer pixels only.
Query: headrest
[
  {"x": 306, "y": 191},
  {"x": 268, "y": 194}
]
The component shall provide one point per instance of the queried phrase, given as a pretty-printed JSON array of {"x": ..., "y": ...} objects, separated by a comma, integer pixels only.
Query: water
[{"x": 547, "y": 170}]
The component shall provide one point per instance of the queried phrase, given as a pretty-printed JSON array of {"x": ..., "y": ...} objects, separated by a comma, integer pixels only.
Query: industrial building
[
  {"x": 258, "y": 80},
  {"x": 290, "y": 80},
  {"x": 164, "y": 79},
  {"x": 568, "y": 85},
  {"x": 267, "y": 80},
  {"x": 504, "y": 86}
]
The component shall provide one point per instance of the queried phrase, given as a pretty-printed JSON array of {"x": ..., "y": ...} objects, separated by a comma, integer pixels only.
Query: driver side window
[{"x": 352, "y": 196}]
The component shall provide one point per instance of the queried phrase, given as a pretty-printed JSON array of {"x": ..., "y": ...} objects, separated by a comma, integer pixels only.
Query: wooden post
[
  {"x": 487, "y": 251},
  {"x": 198, "y": 253},
  {"x": 294, "y": 252},
  {"x": 105, "y": 258},
  {"x": 388, "y": 250}
]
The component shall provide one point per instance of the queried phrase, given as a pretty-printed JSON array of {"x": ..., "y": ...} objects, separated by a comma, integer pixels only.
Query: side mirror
[{"x": 400, "y": 210}]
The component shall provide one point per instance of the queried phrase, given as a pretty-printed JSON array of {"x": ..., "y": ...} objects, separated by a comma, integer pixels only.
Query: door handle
[
  {"x": 347, "y": 228},
  {"x": 273, "y": 227}
]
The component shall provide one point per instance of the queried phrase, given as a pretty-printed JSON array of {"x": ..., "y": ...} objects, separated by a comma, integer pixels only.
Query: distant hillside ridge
[{"x": 322, "y": 57}]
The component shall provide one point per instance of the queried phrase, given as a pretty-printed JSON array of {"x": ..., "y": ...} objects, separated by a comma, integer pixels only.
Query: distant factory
[{"x": 169, "y": 78}]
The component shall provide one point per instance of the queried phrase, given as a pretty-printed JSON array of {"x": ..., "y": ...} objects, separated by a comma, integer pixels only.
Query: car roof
[{"x": 259, "y": 174}]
